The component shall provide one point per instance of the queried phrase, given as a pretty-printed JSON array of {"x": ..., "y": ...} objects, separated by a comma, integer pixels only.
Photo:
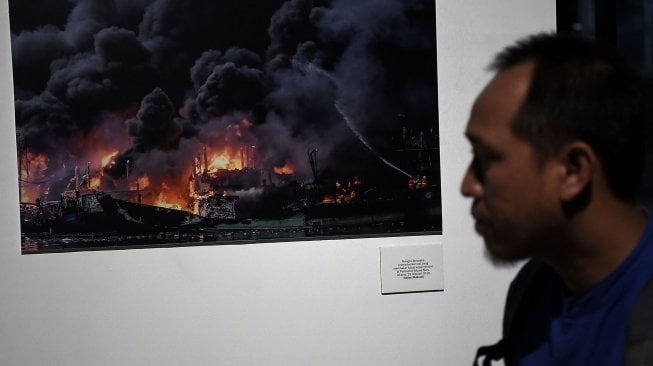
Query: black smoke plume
[{"x": 176, "y": 76}]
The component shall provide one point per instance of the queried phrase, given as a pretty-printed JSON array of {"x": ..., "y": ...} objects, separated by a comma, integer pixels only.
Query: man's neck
[{"x": 597, "y": 242}]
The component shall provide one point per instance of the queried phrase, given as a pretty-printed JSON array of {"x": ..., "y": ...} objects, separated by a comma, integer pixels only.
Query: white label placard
[{"x": 411, "y": 268}]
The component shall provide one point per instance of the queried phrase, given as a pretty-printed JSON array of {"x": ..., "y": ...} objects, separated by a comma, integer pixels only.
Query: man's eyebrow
[{"x": 478, "y": 143}]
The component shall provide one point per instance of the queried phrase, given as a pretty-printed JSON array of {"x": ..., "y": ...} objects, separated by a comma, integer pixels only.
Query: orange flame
[
  {"x": 109, "y": 158},
  {"x": 101, "y": 147},
  {"x": 224, "y": 160},
  {"x": 287, "y": 168},
  {"x": 32, "y": 171},
  {"x": 162, "y": 201},
  {"x": 35, "y": 165},
  {"x": 167, "y": 199},
  {"x": 96, "y": 182},
  {"x": 141, "y": 183}
]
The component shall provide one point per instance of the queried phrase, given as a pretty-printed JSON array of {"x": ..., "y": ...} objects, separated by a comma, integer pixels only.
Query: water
[
  {"x": 362, "y": 139},
  {"x": 348, "y": 121}
]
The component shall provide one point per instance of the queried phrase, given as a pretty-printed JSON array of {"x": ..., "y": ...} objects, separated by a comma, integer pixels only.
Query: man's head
[
  {"x": 580, "y": 90},
  {"x": 561, "y": 117}
]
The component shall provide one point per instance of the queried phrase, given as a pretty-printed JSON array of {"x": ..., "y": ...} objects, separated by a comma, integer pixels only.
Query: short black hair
[{"x": 581, "y": 90}]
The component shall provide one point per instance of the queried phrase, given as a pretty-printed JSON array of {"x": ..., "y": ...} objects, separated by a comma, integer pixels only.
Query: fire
[
  {"x": 32, "y": 174},
  {"x": 109, "y": 158},
  {"x": 34, "y": 166},
  {"x": 96, "y": 182},
  {"x": 219, "y": 162},
  {"x": 162, "y": 201},
  {"x": 93, "y": 157},
  {"x": 140, "y": 183},
  {"x": 287, "y": 168},
  {"x": 143, "y": 181},
  {"x": 224, "y": 161},
  {"x": 167, "y": 199}
]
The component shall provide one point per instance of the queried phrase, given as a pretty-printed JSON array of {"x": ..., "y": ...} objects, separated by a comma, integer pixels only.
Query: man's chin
[
  {"x": 501, "y": 261},
  {"x": 502, "y": 255}
]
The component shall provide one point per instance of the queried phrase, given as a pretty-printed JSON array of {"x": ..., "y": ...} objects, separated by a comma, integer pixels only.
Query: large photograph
[{"x": 145, "y": 123}]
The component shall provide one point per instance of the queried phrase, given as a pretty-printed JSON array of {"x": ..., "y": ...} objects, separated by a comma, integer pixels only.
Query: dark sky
[{"x": 160, "y": 78}]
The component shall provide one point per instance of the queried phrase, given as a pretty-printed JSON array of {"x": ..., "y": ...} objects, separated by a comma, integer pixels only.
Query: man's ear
[{"x": 578, "y": 163}]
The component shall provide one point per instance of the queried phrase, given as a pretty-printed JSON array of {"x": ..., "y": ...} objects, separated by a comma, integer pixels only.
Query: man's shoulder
[{"x": 534, "y": 276}]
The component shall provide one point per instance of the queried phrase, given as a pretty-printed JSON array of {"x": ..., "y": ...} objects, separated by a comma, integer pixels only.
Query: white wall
[{"x": 299, "y": 303}]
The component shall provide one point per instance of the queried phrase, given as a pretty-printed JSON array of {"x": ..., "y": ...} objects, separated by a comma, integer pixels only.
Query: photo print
[{"x": 149, "y": 123}]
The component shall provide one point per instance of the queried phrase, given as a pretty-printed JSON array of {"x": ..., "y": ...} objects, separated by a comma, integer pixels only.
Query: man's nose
[{"x": 471, "y": 186}]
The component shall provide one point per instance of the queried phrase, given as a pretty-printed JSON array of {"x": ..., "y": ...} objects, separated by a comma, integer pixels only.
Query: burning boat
[
  {"x": 83, "y": 210},
  {"x": 208, "y": 190},
  {"x": 228, "y": 196}
]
